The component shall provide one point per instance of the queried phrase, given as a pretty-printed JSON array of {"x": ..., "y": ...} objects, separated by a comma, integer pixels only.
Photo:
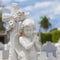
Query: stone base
[{"x": 4, "y": 54}]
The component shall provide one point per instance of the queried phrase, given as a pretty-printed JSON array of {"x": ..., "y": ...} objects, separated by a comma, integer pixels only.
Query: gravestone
[
  {"x": 51, "y": 57},
  {"x": 43, "y": 56},
  {"x": 49, "y": 47}
]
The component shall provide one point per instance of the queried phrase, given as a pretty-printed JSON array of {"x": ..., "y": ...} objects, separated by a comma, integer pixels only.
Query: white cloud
[
  {"x": 51, "y": 17},
  {"x": 28, "y": 8},
  {"x": 50, "y": 9},
  {"x": 8, "y": 1},
  {"x": 38, "y": 5},
  {"x": 42, "y": 4},
  {"x": 5, "y": 1},
  {"x": 57, "y": 10},
  {"x": 21, "y": 0}
]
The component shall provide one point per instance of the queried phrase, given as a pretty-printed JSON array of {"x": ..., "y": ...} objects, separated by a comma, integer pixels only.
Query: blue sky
[{"x": 38, "y": 8}]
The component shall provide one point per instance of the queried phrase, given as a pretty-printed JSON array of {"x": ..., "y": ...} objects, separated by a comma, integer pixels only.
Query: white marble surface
[
  {"x": 4, "y": 55},
  {"x": 27, "y": 46}
]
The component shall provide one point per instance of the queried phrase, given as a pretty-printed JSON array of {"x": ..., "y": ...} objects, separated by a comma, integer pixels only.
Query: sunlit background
[{"x": 38, "y": 8}]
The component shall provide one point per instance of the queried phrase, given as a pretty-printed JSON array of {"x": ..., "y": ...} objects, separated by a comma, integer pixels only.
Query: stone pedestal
[{"x": 4, "y": 54}]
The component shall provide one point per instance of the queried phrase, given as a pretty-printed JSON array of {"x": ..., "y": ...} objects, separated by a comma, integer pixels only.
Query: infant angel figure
[{"x": 29, "y": 42}]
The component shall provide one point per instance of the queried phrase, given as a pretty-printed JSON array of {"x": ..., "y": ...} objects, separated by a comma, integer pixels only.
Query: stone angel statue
[{"x": 27, "y": 45}]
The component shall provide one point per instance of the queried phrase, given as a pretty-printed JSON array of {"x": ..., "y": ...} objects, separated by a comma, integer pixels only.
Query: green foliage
[
  {"x": 50, "y": 36},
  {"x": 53, "y": 29},
  {"x": 55, "y": 36},
  {"x": 44, "y": 23},
  {"x": 1, "y": 24},
  {"x": 46, "y": 37},
  {"x": 59, "y": 34}
]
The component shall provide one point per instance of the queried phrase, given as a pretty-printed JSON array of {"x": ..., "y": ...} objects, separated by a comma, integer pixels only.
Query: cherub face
[{"x": 28, "y": 31}]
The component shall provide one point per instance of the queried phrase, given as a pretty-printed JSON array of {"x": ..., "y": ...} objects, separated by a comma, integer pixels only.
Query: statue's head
[
  {"x": 28, "y": 27},
  {"x": 14, "y": 6},
  {"x": 21, "y": 15}
]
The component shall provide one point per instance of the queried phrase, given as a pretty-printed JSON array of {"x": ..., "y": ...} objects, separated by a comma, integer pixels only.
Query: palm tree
[{"x": 44, "y": 23}]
